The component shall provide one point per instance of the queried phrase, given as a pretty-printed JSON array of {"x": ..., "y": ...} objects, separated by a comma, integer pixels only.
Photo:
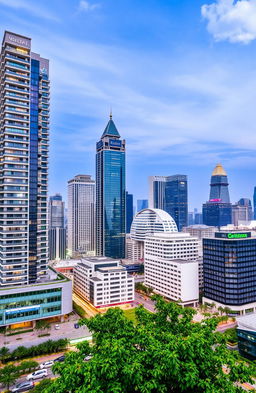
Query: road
[
  {"x": 144, "y": 301},
  {"x": 66, "y": 330}
]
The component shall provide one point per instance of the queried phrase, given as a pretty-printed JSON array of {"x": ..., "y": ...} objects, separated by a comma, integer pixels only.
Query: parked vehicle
[
  {"x": 60, "y": 359},
  {"x": 57, "y": 327},
  {"x": 47, "y": 364},
  {"x": 37, "y": 374},
  {"x": 87, "y": 358},
  {"x": 23, "y": 387}
]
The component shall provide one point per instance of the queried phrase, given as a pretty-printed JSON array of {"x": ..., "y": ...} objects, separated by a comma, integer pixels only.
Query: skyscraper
[
  {"x": 142, "y": 204},
  {"x": 57, "y": 231},
  {"x": 218, "y": 210},
  {"x": 24, "y": 162},
  {"x": 170, "y": 193},
  {"x": 242, "y": 211},
  {"x": 254, "y": 203},
  {"x": 81, "y": 215},
  {"x": 110, "y": 193},
  {"x": 129, "y": 211},
  {"x": 24, "y": 129}
]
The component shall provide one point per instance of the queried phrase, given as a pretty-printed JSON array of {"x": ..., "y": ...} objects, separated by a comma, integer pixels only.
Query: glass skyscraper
[
  {"x": 129, "y": 211},
  {"x": 110, "y": 193},
  {"x": 170, "y": 193},
  {"x": 218, "y": 210}
]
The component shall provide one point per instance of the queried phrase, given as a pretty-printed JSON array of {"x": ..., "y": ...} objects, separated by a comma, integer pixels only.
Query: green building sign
[{"x": 233, "y": 235}]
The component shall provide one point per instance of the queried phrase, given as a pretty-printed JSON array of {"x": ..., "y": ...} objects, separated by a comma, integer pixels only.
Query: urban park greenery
[{"x": 164, "y": 352}]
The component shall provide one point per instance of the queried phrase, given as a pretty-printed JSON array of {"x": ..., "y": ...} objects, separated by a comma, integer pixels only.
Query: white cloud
[
  {"x": 86, "y": 6},
  {"x": 30, "y": 7},
  {"x": 231, "y": 20}
]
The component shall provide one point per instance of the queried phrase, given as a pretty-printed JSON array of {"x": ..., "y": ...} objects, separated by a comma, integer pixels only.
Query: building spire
[{"x": 110, "y": 115}]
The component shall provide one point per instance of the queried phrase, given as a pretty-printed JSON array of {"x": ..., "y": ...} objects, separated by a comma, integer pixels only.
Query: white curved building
[
  {"x": 150, "y": 221},
  {"x": 147, "y": 222}
]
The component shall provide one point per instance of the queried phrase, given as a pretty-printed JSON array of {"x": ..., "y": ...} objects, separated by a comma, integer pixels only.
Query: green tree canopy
[
  {"x": 165, "y": 352},
  {"x": 8, "y": 375}
]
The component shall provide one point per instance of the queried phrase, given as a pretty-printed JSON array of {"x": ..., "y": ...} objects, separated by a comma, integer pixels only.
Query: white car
[
  {"x": 47, "y": 364},
  {"x": 37, "y": 374},
  {"x": 57, "y": 327}
]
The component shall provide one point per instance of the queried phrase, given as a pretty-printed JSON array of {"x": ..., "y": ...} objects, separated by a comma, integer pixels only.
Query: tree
[
  {"x": 8, "y": 375},
  {"x": 165, "y": 352},
  {"x": 27, "y": 365},
  {"x": 4, "y": 353},
  {"x": 41, "y": 386},
  {"x": 42, "y": 324}
]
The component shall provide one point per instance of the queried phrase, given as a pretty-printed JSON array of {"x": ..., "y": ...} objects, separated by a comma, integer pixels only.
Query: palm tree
[
  {"x": 4, "y": 352},
  {"x": 8, "y": 375}
]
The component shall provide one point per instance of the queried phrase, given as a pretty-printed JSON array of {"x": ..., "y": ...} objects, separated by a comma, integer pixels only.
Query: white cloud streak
[
  {"x": 231, "y": 20},
  {"x": 84, "y": 5},
  {"x": 29, "y": 6}
]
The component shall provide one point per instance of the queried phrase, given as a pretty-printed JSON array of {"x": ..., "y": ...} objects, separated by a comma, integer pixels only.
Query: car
[
  {"x": 60, "y": 359},
  {"x": 23, "y": 387},
  {"x": 37, "y": 374},
  {"x": 57, "y": 327},
  {"x": 47, "y": 364},
  {"x": 88, "y": 357}
]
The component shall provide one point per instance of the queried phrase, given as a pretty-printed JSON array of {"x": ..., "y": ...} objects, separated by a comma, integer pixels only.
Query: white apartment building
[
  {"x": 201, "y": 232},
  {"x": 103, "y": 282},
  {"x": 171, "y": 266},
  {"x": 133, "y": 249},
  {"x": 81, "y": 215}
]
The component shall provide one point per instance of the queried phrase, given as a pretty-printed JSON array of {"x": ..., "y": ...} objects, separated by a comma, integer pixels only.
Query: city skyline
[{"x": 202, "y": 102}]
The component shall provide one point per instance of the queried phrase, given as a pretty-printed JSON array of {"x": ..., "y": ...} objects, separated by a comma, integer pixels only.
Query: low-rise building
[
  {"x": 103, "y": 282},
  {"x": 246, "y": 332},
  {"x": 50, "y": 297},
  {"x": 171, "y": 266}
]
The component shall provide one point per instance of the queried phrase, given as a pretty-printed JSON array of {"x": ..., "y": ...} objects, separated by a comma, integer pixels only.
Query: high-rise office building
[
  {"x": 81, "y": 215},
  {"x": 242, "y": 212},
  {"x": 24, "y": 129},
  {"x": 129, "y": 211},
  {"x": 110, "y": 193},
  {"x": 229, "y": 271},
  {"x": 218, "y": 210},
  {"x": 170, "y": 193},
  {"x": 142, "y": 204},
  {"x": 57, "y": 231},
  {"x": 254, "y": 203}
]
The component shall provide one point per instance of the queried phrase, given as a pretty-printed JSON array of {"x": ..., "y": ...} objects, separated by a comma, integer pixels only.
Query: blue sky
[{"x": 180, "y": 76}]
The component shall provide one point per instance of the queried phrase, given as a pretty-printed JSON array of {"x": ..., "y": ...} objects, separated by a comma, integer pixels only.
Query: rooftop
[
  {"x": 219, "y": 171},
  {"x": 111, "y": 129}
]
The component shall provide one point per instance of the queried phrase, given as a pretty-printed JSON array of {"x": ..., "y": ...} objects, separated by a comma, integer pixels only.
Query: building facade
[
  {"x": 57, "y": 232},
  {"x": 110, "y": 193},
  {"x": 171, "y": 266},
  {"x": 218, "y": 210},
  {"x": 142, "y": 204},
  {"x": 170, "y": 193},
  {"x": 246, "y": 333},
  {"x": 103, "y": 282},
  {"x": 129, "y": 211},
  {"x": 81, "y": 215},
  {"x": 230, "y": 271},
  {"x": 24, "y": 129}
]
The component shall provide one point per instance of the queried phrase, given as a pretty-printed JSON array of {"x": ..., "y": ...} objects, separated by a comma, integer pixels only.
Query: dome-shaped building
[{"x": 146, "y": 222}]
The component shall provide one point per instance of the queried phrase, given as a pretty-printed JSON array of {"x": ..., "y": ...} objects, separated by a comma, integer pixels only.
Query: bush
[
  {"x": 19, "y": 332},
  {"x": 49, "y": 346},
  {"x": 231, "y": 335},
  {"x": 43, "y": 335}
]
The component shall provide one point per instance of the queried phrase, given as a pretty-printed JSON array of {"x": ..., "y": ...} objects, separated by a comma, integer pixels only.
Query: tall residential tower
[
  {"x": 57, "y": 230},
  {"x": 29, "y": 289},
  {"x": 110, "y": 193}
]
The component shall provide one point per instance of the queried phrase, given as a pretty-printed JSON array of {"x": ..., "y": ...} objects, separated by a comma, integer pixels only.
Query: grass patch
[
  {"x": 43, "y": 335},
  {"x": 79, "y": 310},
  {"x": 130, "y": 314}
]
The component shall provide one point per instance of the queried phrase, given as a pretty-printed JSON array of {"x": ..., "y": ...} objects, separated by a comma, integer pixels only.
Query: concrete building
[
  {"x": 229, "y": 271},
  {"x": 146, "y": 222},
  {"x": 242, "y": 211},
  {"x": 201, "y": 232},
  {"x": 57, "y": 232},
  {"x": 103, "y": 282},
  {"x": 133, "y": 249},
  {"x": 171, "y": 266},
  {"x": 28, "y": 290},
  {"x": 81, "y": 215}
]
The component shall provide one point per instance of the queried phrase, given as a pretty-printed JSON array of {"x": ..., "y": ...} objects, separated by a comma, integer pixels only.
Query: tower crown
[
  {"x": 111, "y": 129},
  {"x": 219, "y": 171}
]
